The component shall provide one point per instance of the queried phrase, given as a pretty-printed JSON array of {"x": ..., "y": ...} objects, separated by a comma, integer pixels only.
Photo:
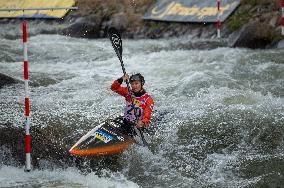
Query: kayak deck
[{"x": 107, "y": 138}]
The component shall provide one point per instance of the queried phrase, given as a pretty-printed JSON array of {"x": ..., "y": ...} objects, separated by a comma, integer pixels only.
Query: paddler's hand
[
  {"x": 125, "y": 77},
  {"x": 140, "y": 124}
]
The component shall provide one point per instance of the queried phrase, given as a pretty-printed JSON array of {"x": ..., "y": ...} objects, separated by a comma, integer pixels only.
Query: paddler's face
[{"x": 136, "y": 86}]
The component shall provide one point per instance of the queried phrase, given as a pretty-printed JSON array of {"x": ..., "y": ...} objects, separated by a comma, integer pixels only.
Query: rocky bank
[{"x": 254, "y": 24}]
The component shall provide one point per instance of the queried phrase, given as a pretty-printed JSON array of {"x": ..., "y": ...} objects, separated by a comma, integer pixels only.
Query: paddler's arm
[
  {"x": 116, "y": 87},
  {"x": 147, "y": 113}
]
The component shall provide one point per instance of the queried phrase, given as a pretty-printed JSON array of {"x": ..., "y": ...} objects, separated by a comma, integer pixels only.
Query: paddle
[{"x": 116, "y": 42}]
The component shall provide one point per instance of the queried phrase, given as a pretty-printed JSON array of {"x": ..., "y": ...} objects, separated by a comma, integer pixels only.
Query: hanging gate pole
[
  {"x": 26, "y": 77},
  {"x": 27, "y": 99},
  {"x": 282, "y": 19},
  {"x": 218, "y": 19}
]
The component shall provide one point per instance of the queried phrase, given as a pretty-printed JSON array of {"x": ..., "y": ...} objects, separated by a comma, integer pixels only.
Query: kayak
[{"x": 108, "y": 138}]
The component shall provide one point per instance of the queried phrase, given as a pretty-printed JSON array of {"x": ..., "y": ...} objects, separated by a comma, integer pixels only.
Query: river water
[{"x": 218, "y": 119}]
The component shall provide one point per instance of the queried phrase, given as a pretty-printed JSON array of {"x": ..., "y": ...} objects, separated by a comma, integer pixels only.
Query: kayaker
[{"x": 143, "y": 102}]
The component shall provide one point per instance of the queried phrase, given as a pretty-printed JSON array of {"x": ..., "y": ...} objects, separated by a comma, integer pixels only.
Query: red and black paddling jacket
[{"x": 143, "y": 103}]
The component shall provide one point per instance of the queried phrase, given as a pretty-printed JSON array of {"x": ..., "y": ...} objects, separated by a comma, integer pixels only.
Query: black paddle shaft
[{"x": 116, "y": 42}]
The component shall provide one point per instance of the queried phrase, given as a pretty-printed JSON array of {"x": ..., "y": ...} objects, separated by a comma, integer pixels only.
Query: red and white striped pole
[
  {"x": 27, "y": 100},
  {"x": 282, "y": 20},
  {"x": 218, "y": 19}
]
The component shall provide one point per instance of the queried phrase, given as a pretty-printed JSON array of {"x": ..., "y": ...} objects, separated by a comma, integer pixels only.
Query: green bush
[{"x": 240, "y": 18}]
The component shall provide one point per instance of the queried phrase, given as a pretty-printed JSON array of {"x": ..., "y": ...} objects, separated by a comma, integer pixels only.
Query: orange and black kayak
[{"x": 107, "y": 138}]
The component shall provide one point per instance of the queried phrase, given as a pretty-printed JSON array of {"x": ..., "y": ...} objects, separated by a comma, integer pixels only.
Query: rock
[
  {"x": 252, "y": 35},
  {"x": 233, "y": 37},
  {"x": 280, "y": 44},
  {"x": 83, "y": 27},
  {"x": 6, "y": 80},
  {"x": 208, "y": 32}
]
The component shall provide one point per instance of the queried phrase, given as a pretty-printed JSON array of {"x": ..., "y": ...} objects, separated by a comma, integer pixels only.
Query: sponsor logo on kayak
[
  {"x": 120, "y": 138},
  {"x": 103, "y": 136}
]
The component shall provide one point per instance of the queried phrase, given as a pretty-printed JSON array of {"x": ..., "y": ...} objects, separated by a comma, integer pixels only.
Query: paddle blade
[{"x": 116, "y": 41}]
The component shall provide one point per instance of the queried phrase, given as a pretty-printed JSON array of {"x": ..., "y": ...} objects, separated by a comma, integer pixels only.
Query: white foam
[
  {"x": 12, "y": 176},
  {"x": 187, "y": 85}
]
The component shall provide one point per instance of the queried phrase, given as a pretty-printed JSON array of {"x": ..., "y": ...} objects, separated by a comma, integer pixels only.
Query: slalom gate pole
[
  {"x": 27, "y": 99},
  {"x": 218, "y": 19},
  {"x": 26, "y": 74},
  {"x": 282, "y": 19}
]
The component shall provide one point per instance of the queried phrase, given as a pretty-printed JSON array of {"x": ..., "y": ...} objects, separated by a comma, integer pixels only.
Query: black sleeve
[{"x": 120, "y": 80}]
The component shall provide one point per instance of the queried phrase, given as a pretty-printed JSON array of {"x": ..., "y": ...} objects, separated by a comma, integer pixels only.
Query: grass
[
  {"x": 240, "y": 18},
  {"x": 274, "y": 3},
  {"x": 155, "y": 25},
  {"x": 247, "y": 9},
  {"x": 276, "y": 38}
]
